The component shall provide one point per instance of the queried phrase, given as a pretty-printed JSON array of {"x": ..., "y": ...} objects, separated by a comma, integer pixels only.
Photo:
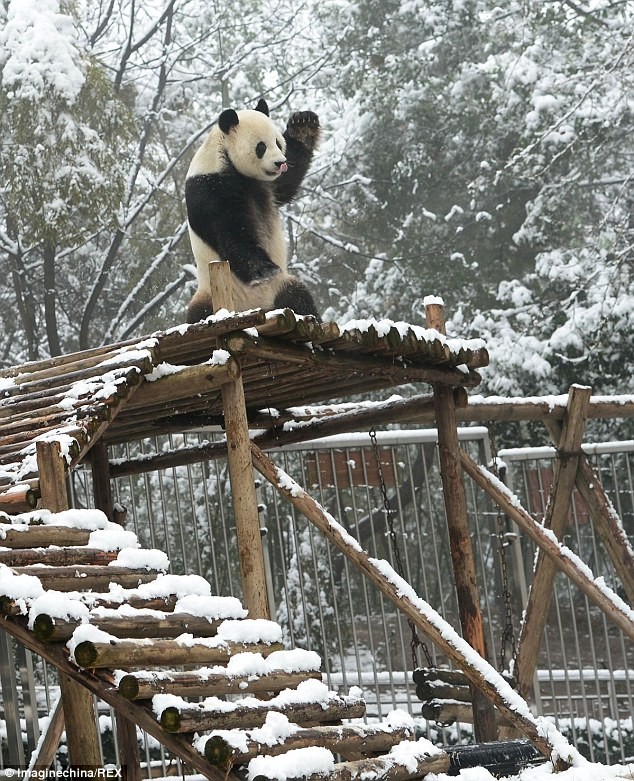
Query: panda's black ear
[
  {"x": 263, "y": 106},
  {"x": 227, "y": 120}
]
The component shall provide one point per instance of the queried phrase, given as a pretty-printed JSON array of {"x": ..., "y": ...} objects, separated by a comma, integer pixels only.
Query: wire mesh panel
[{"x": 387, "y": 492}]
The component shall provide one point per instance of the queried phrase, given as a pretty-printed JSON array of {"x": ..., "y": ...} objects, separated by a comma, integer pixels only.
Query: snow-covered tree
[{"x": 492, "y": 166}]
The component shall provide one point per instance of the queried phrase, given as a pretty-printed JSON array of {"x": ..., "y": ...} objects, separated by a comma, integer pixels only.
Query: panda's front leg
[
  {"x": 303, "y": 126},
  {"x": 302, "y": 136}
]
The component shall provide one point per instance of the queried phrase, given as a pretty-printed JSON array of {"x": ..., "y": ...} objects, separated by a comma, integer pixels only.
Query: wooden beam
[
  {"x": 82, "y": 735},
  {"x": 595, "y": 589},
  {"x": 462, "y": 556},
  {"x": 245, "y": 504},
  {"x": 556, "y": 519},
  {"x": 382, "y": 575}
]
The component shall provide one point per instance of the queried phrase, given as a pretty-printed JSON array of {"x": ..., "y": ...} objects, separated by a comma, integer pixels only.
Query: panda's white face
[{"x": 255, "y": 146}]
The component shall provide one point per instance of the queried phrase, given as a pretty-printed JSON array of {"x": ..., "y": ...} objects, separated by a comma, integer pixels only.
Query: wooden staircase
[{"x": 216, "y": 688}]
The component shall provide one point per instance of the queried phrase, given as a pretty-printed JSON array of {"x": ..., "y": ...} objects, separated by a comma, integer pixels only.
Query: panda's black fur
[{"x": 244, "y": 170}]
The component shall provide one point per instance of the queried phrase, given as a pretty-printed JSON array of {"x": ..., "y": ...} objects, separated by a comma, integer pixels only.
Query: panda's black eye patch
[
  {"x": 279, "y": 145},
  {"x": 260, "y": 149}
]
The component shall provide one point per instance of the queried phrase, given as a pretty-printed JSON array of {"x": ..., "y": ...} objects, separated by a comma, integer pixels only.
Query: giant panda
[{"x": 244, "y": 170}]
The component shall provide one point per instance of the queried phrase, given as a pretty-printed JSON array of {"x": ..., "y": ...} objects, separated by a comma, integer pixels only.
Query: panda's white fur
[{"x": 234, "y": 187}]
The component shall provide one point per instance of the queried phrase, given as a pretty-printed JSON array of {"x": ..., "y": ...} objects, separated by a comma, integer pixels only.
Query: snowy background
[{"x": 473, "y": 150}]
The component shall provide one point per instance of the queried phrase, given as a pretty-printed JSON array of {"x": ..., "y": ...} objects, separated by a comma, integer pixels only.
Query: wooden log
[
  {"x": 187, "y": 382},
  {"x": 442, "y": 691},
  {"x": 52, "y": 630},
  {"x": 82, "y": 736},
  {"x": 278, "y": 322},
  {"x": 86, "y": 577},
  {"x": 129, "y": 367},
  {"x": 194, "y": 719},
  {"x": 341, "y": 739},
  {"x": 383, "y": 768},
  {"x": 139, "y": 714},
  {"x": 19, "y": 495},
  {"x": 192, "y": 684},
  {"x": 124, "y": 654},
  {"x": 599, "y": 593},
  {"x": 447, "y": 711},
  {"x": 556, "y": 519},
  {"x": 424, "y": 675},
  {"x": 431, "y": 676},
  {"x": 245, "y": 504},
  {"x": 424, "y": 617},
  {"x": 202, "y": 336},
  {"x": 43, "y": 536},
  {"x": 62, "y": 557},
  {"x": 9, "y": 607},
  {"x": 462, "y": 556},
  {"x": 369, "y": 366}
]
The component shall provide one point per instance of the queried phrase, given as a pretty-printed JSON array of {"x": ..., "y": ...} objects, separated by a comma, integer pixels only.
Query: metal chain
[
  {"x": 508, "y": 633},
  {"x": 416, "y": 641}
]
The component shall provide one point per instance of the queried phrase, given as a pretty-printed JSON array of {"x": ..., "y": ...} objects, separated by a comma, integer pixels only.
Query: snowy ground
[{"x": 589, "y": 772}]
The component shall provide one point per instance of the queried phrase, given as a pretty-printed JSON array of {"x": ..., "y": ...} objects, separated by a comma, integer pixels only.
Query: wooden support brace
[
  {"x": 556, "y": 519},
  {"x": 44, "y": 755},
  {"x": 579, "y": 573},
  {"x": 382, "y": 575},
  {"x": 245, "y": 504},
  {"x": 462, "y": 557},
  {"x": 82, "y": 735},
  {"x": 604, "y": 516}
]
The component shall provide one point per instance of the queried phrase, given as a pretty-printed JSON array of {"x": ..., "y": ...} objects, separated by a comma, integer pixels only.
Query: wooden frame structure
[{"x": 234, "y": 368}]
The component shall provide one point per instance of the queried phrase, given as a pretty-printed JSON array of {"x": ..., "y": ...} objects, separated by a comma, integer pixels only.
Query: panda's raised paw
[{"x": 304, "y": 127}]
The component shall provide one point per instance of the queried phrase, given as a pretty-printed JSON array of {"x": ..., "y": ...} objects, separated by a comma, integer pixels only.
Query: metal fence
[{"x": 388, "y": 493}]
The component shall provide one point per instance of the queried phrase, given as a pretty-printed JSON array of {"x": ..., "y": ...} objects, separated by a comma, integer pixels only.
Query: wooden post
[
  {"x": 128, "y": 747},
  {"x": 82, "y": 736},
  {"x": 462, "y": 557},
  {"x": 556, "y": 519},
  {"x": 101, "y": 488},
  {"x": 245, "y": 505}
]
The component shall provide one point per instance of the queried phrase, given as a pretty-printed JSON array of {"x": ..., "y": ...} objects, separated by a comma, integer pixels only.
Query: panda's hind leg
[
  {"x": 293, "y": 294},
  {"x": 200, "y": 307}
]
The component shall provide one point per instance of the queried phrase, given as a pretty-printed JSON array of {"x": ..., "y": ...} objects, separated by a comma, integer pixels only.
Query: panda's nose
[{"x": 281, "y": 165}]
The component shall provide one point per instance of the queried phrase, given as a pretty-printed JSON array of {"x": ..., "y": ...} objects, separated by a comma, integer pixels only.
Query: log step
[
  {"x": 56, "y": 557},
  {"x": 51, "y": 629},
  {"x": 126, "y": 654},
  {"x": 86, "y": 577},
  {"x": 296, "y": 705},
  {"x": 346, "y": 740},
  {"x": 191, "y": 684},
  {"x": 40, "y": 536},
  {"x": 408, "y": 760}
]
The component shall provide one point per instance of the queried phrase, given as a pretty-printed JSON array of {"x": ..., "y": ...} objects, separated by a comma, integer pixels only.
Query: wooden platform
[{"x": 172, "y": 380}]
